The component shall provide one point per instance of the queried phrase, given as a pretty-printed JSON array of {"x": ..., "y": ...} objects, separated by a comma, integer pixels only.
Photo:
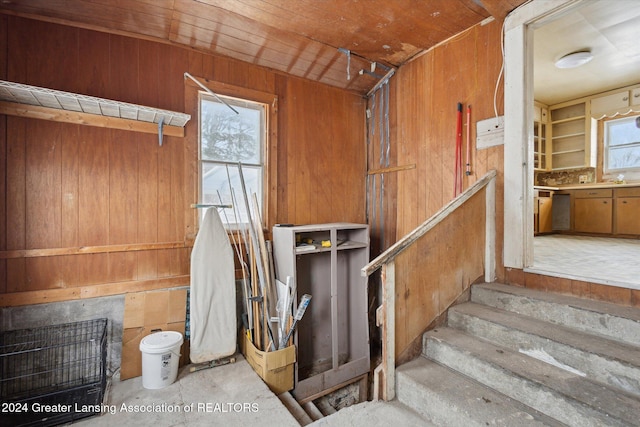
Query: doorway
[{"x": 519, "y": 243}]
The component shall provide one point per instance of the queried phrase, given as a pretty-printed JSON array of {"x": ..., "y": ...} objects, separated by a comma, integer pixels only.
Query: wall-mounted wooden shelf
[{"x": 48, "y": 104}]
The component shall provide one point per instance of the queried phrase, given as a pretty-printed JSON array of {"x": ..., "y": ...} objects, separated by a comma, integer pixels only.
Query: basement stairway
[{"x": 517, "y": 357}]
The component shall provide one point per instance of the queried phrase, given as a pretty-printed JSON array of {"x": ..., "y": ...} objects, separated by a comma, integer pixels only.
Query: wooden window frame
[{"x": 270, "y": 186}]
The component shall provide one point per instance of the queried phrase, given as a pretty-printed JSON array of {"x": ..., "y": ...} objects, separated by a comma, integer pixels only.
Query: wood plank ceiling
[{"x": 297, "y": 37}]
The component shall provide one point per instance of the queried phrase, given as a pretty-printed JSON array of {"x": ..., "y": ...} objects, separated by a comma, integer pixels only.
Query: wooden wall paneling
[
  {"x": 322, "y": 147},
  {"x": 31, "y": 62},
  {"x": 195, "y": 66},
  {"x": 390, "y": 179},
  {"x": 409, "y": 102},
  {"x": 374, "y": 233},
  {"x": 4, "y": 43},
  {"x": 288, "y": 143},
  {"x": 18, "y": 42},
  {"x": 42, "y": 273},
  {"x": 184, "y": 175},
  {"x": 281, "y": 213},
  {"x": 16, "y": 274},
  {"x": 43, "y": 185},
  {"x": 434, "y": 272},
  {"x": 93, "y": 202},
  {"x": 69, "y": 180},
  {"x": 173, "y": 63},
  {"x": 124, "y": 74},
  {"x": 404, "y": 264},
  {"x": 180, "y": 206},
  {"x": 124, "y": 69},
  {"x": 352, "y": 203},
  {"x": 173, "y": 198},
  {"x": 69, "y": 203},
  {"x": 166, "y": 257},
  {"x": 93, "y": 63},
  {"x": 147, "y": 204},
  {"x": 148, "y": 147},
  {"x": 4, "y": 28},
  {"x": 470, "y": 259},
  {"x": 16, "y": 199},
  {"x": 301, "y": 161},
  {"x": 123, "y": 202}
]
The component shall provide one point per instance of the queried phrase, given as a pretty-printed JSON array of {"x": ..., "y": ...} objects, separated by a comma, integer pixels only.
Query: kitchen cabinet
[
  {"x": 570, "y": 136},
  {"x": 627, "y": 211},
  {"x": 611, "y": 102},
  {"x": 540, "y": 136},
  {"x": 542, "y": 211},
  {"x": 635, "y": 96},
  {"x": 545, "y": 223},
  {"x": 332, "y": 339},
  {"x": 593, "y": 211}
]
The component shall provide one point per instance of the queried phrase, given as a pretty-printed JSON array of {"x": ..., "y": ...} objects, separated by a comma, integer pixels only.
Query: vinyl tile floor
[{"x": 610, "y": 261}]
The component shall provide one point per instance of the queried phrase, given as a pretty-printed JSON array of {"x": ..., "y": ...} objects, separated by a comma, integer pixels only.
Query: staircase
[
  {"x": 513, "y": 356},
  {"x": 517, "y": 357}
]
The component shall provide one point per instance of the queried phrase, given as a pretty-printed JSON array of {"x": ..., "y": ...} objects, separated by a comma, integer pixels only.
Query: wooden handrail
[
  {"x": 384, "y": 374},
  {"x": 397, "y": 248}
]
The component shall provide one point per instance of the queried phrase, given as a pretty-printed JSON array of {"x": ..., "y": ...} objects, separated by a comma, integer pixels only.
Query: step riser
[
  {"x": 608, "y": 371},
  {"x": 619, "y": 328},
  {"x": 537, "y": 396},
  {"x": 449, "y": 399},
  {"x": 429, "y": 405}
]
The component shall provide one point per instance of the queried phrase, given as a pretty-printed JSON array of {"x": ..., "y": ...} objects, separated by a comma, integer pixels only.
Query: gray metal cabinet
[{"x": 332, "y": 339}]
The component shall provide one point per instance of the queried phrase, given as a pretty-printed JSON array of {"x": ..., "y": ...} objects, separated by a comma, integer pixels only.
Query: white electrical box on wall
[{"x": 490, "y": 132}]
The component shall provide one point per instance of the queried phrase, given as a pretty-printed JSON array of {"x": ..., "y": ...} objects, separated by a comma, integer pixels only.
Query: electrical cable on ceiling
[{"x": 348, "y": 53}]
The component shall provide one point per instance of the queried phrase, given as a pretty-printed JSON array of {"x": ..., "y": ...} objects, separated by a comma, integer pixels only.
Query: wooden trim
[
  {"x": 389, "y": 327},
  {"x": 402, "y": 244},
  {"x": 490, "y": 232},
  {"x": 517, "y": 250},
  {"x": 270, "y": 160},
  {"x": 92, "y": 291},
  {"x": 391, "y": 169},
  {"x": 34, "y": 253},
  {"x": 78, "y": 118}
]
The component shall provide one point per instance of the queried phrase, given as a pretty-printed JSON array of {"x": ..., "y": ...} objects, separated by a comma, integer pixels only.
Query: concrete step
[
  {"x": 447, "y": 398},
  {"x": 373, "y": 414},
  {"x": 611, "y": 362},
  {"x": 609, "y": 320},
  {"x": 556, "y": 392}
]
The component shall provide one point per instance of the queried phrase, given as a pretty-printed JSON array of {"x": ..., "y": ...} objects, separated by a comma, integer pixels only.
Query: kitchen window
[
  {"x": 622, "y": 145},
  {"x": 229, "y": 138}
]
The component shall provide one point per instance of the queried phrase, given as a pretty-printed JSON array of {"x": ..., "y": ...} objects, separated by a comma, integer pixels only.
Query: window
[
  {"x": 622, "y": 144},
  {"x": 228, "y": 138}
]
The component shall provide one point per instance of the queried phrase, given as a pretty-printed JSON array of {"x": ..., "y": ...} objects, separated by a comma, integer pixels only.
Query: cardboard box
[
  {"x": 131, "y": 364},
  {"x": 144, "y": 313},
  {"x": 274, "y": 367}
]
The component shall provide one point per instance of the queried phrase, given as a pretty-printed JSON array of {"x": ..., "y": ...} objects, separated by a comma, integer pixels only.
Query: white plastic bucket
[{"x": 160, "y": 358}]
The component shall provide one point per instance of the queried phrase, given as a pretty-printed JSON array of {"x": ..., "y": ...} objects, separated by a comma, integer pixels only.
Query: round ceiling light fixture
[{"x": 574, "y": 59}]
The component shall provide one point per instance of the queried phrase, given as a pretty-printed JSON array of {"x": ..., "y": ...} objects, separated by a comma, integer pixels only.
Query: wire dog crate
[{"x": 52, "y": 374}]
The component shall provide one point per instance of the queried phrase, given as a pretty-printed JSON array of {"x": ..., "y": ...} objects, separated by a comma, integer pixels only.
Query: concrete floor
[
  {"x": 234, "y": 395},
  {"x": 230, "y": 395},
  {"x": 605, "y": 260}
]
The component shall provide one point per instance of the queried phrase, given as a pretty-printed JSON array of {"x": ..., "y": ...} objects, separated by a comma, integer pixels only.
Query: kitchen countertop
[{"x": 599, "y": 185}]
